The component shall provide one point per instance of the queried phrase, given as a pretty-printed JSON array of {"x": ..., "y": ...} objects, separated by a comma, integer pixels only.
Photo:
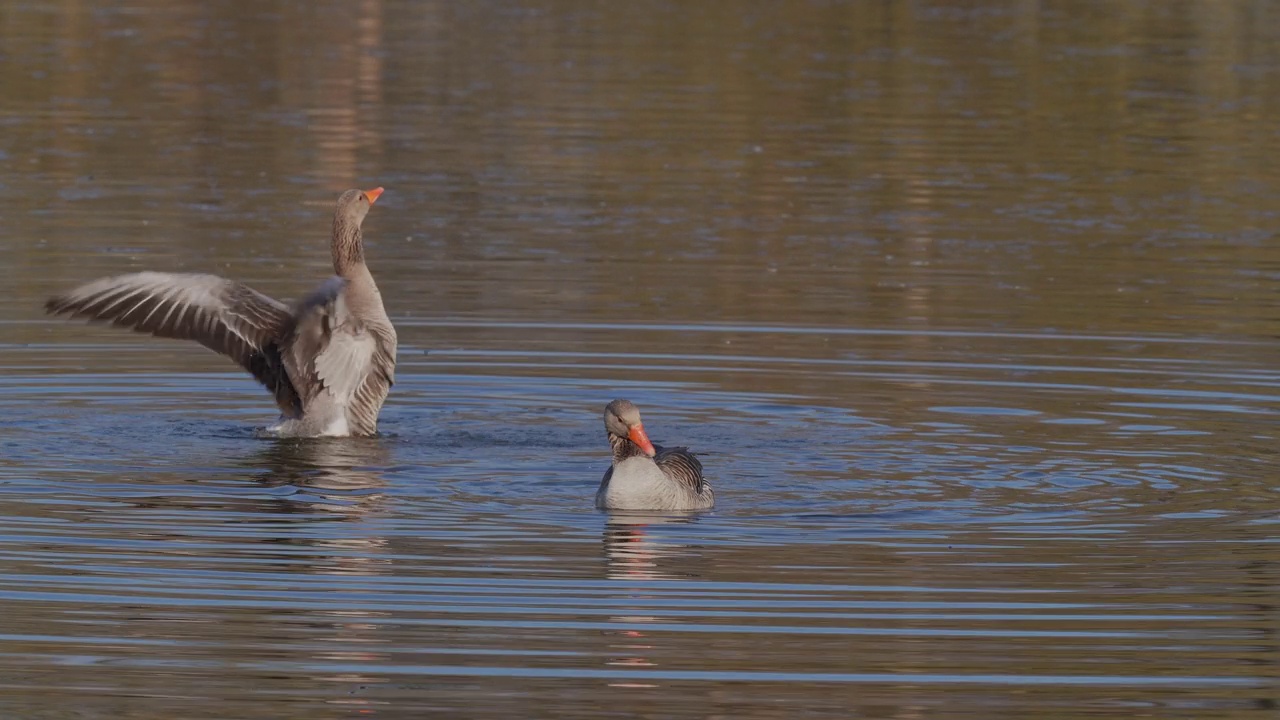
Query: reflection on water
[
  {"x": 968, "y": 310},
  {"x": 633, "y": 553},
  {"x": 341, "y": 476}
]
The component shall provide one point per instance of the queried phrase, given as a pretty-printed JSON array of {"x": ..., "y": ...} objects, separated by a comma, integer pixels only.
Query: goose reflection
[
  {"x": 633, "y": 552},
  {"x": 636, "y": 556},
  {"x": 341, "y": 475},
  {"x": 338, "y": 478}
]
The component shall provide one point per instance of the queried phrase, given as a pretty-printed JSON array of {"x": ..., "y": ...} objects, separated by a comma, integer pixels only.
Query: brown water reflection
[{"x": 969, "y": 307}]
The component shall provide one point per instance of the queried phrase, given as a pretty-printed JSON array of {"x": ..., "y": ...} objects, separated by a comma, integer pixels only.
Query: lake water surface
[{"x": 969, "y": 309}]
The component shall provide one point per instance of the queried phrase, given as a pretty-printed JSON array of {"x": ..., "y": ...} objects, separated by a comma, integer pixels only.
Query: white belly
[
  {"x": 337, "y": 427},
  {"x": 638, "y": 484},
  {"x": 326, "y": 420}
]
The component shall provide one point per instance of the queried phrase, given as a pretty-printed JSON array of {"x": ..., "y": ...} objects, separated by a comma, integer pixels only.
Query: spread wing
[
  {"x": 334, "y": 352},
  {"x": 679, "y": 464},
  {"x": 223, "y": 315},
  {"x": 372, "y": 393}
]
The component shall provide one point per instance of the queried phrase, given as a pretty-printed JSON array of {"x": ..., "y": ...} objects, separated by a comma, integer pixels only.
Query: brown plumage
[{"x": 329, "y": 361}]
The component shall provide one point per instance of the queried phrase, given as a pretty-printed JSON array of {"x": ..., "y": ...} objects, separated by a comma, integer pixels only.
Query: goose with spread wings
[
  {"x": 644, "y": 476},
  {"x": 329, "y": 360}
]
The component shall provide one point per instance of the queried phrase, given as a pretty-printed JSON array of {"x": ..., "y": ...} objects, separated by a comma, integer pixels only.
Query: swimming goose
[
  {"x": 646, "y": 477},
  {"x": 329, "y": 361}
]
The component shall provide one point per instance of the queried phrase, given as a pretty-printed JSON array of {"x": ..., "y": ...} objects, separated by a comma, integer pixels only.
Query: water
[{"x": 968, "y": 309}]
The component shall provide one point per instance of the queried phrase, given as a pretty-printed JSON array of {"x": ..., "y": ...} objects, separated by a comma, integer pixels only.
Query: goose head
[
  {"x": 622, "y": 420},
  {"x": 353, "y": 205}
]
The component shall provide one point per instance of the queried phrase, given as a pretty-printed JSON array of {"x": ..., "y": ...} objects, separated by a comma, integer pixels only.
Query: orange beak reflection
[
  {"x": 373, "y": 194},
  {"x": 637, "y": 435}
]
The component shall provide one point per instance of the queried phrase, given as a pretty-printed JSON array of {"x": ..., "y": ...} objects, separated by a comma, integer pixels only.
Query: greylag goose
[
  {"x": 646, "y": 477},
  {"x": 329, "y": 361}
]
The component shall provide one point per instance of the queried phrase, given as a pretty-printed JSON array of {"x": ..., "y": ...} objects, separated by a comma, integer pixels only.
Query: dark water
[{"x": 969, "y": 309}]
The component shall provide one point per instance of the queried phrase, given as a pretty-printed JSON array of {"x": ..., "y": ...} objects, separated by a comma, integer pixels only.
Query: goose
[
  {"x": 329, "y": 360},
  {"x": 646, "y": 477}
]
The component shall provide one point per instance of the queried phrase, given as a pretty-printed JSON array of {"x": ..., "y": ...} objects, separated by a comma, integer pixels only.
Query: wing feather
[
  {"x": 679, "y": 464},
  {"x": 372, "y": 393},
  {"x": 223, "y": 315}
]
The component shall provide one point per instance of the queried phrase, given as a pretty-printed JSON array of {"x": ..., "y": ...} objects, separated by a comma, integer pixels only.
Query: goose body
[
  {"x": 644, "y": 476},
  {"x": 329, "y": 360}
]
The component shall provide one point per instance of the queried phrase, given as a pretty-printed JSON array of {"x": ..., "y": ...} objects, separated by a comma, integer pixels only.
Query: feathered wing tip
[
  {"x": 681, "y": 465},
  {"x": 225, "y": 316},
  {"x": 186, "y": 306}
]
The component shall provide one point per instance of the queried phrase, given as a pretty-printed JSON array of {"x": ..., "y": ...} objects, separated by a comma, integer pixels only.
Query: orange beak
[
  {"x": 637, "y": 435},
  {"x": 373, "y": 194}
]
